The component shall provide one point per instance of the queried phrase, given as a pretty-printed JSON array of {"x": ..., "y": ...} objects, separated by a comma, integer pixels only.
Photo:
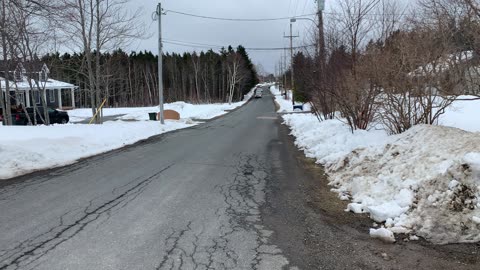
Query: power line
[
  {"x": 296, "y": 7},
  {"x": 190, "y": 43},
  {"x": 305, "y": 6},
  {"x": 368, "y": 14},
  {"x": 235, "y": 19},
  {"x": 289, "y": 7},
  {"x": 211, "y": 46}
]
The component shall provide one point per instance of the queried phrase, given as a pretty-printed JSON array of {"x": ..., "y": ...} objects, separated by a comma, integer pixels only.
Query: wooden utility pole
[
  {"x": 321, "y": 37},
  {"x": 291, "y": 36},
  {"x": 160, "y": 62},
  {"x": 285, "y": 72}
]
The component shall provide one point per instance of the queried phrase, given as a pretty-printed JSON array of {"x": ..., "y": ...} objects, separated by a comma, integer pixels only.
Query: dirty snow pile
[
  {"x": 286, "y": 104},
  {"x": 423, "y": 182}
]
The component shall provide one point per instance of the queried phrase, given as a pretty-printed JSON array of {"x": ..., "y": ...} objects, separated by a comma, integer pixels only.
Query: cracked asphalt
[
  {"x": 233, "y": 193},
  {"x": 190, "y": 199}
]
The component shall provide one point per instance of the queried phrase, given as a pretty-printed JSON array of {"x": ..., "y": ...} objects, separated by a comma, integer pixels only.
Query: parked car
[
  {"x": 14, "y": 109},
  {"x": 258, "y": 93},
  {"x": 56, "y": 116}
]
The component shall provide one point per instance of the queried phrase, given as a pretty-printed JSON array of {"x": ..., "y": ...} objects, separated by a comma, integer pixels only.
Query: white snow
[
  {"x": 476, "y": 219},
  {"x": 186, "y": 110},
  {"x": 382, "y": 234},
  {"x": 286, "y": 105},
  {"x": 413, "y": 238},
  {"x": 25, "y": 85},
  {"x": 463, "y": 113},
  {"x": 425, "y": 181},
  {"x": 24, "y": 149}
]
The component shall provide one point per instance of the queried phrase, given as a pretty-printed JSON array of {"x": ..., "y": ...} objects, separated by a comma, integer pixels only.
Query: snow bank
[
  {"x": 23, "y": 151},
  {"x": 26, "y": 149},
  {"x": 186, "y": 110},
  {"x": 330, "y": 140},
  {"x": 286, "y": 104},
  {"x": 425, "y": 181}
]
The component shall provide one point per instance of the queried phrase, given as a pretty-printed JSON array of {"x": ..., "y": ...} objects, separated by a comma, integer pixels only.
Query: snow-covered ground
[
  {"x": 25, "y": 149},
  {"x": 463, "y": 114},
  {"x": 286, "y": 104},
  {"x": 186, "y": 110},
  {"x": 423, "y": 182}
]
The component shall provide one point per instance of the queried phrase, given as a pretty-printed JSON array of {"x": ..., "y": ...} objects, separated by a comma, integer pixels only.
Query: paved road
[
  {"x": 187, "y": 200},
  {"x": 233, "y": 193}
]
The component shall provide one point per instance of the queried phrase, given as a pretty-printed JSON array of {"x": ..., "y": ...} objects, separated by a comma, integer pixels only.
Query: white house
[{"x": 57, "y": 94}]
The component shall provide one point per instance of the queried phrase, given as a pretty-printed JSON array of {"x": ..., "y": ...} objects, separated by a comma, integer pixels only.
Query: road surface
[
  {"x": 233, "y": 193},
  {"x": 186, "y": 200}
]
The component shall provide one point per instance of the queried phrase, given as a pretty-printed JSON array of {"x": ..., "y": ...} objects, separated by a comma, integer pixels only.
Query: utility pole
[
  {"x": 285, "y": 72},
  {"x": 321, "y": 35},
  {"x": 160, "y": 62},
  {"x": 291, "y": 59}
]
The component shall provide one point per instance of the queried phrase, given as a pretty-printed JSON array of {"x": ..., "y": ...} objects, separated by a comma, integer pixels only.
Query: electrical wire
[
  {"x": 289, "y": 7},
  {"x": 211, "y": 46},
  {"x": 296, "y": 7},
  {"x": 305, "y": 6},
  {"x": 236, "y": 19}
]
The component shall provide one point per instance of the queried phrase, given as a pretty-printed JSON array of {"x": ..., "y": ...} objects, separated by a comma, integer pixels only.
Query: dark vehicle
[
  {"x": 56, "y": 117},
  {"x": 13, "y": 111}
]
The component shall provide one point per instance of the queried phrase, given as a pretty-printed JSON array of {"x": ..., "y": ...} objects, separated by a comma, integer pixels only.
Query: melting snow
[{"x": 425, "y": 181}]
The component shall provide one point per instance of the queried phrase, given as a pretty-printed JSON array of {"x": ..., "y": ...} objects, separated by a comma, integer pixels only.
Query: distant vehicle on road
[
  {"x": 56, "y": 116},
  {"x": 258, "y": 93}
]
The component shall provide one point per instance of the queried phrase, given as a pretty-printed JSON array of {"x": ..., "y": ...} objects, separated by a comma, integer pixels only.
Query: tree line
[
  {"x": 132, "y": 79},
  {"x": 95, "y": 30},
  {"x": 384, "y": 64}
]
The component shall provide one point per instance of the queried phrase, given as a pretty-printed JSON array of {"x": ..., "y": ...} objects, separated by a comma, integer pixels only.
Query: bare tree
[
  {"x": 24, "y": 30},
  {"x": 96, "y": 26},
  {"x": 6, "y": 33},
  {"x": 236, "y": 73}
]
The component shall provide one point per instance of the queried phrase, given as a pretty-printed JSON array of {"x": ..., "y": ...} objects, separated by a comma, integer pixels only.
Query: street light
[
  {"x": 292, "y": 20},
  {"x": 301, "y": 18}
]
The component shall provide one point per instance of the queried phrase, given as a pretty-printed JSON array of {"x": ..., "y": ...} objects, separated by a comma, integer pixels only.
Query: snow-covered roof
[
  {"x": 25, "y": 86},
  {"x": 443, "y": 64}
]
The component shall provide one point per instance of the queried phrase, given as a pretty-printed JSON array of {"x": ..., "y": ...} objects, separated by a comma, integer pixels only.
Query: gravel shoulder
[{"x": 315, "y": 232}]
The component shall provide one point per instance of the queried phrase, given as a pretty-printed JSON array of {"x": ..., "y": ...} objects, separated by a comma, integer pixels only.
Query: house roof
[
  {"x": 443, "y": 64},
  {"x": 25, "y": 86}
]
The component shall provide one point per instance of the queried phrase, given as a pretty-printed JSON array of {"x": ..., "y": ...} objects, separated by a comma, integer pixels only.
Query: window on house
[
  {"x": 52, "y": 95},
  {"x": 20, "y": 98},
  {"x": 36, "y": 95}
]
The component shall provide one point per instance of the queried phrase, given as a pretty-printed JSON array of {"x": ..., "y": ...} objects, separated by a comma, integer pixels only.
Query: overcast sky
[{"x": 248, "y": 34}]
